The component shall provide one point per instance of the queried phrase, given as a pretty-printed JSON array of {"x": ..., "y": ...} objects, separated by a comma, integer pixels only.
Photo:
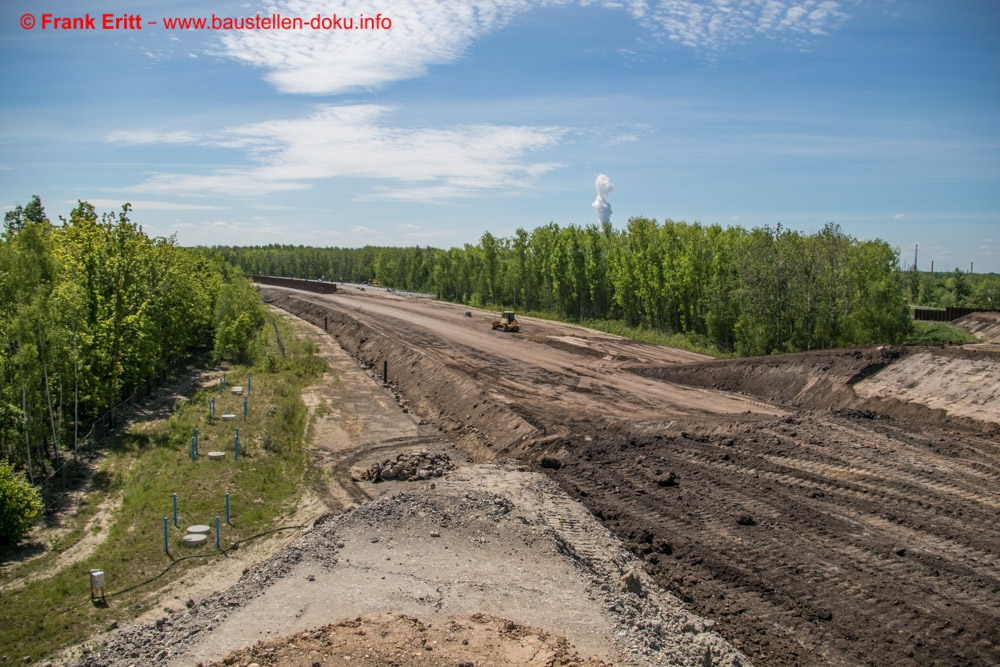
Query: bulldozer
[{"x": 506, "y": 322}]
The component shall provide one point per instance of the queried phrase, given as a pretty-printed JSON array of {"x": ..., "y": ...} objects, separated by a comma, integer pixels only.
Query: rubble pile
[{"x": 413, "y": 466}]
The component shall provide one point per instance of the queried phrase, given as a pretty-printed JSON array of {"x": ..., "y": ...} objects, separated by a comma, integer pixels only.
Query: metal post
[
  {"x": 175, "y": 510},
  {"x": 218, "y": 539},
  {"x": 249, "y": 378},
  {"x": 227, "y": 509},
  {"x": 244, "y": 408},
  {"x": 385, "y": 372},
  {"x": 166, "y": 536},
  {"x": 223, "y": 379},
  {"x": 236, "y": 450},
  {"x": 326, "y": 323}
]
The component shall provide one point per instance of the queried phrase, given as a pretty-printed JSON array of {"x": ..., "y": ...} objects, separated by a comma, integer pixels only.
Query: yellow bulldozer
[{"x": 506, "y": 322}]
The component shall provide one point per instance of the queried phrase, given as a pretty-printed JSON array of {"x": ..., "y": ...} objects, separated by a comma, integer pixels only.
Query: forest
[
  {"x": 744, "y": 291},
  {"x": 89, "y": 308}
]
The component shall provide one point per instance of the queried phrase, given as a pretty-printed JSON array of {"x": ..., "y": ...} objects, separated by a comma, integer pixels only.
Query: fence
[
  {"x": 295, "y": 283},
  {"x": 946, "y": 314},
  {"x": 105, "y": 424}
]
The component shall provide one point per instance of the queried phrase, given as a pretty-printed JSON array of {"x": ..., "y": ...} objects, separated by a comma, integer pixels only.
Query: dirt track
[{"x": 814, "y": 525}]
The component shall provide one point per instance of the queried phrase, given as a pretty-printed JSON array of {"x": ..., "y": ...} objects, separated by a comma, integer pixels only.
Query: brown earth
[
  {"x": 395, "y": 639},
  {"x": 814, "y": 523}
]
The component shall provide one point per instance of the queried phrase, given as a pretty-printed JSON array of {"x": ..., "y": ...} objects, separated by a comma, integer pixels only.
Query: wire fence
[{"x": 59, "y": 479}]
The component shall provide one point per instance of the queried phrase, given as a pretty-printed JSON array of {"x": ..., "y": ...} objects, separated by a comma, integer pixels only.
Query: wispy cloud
[
  {"x": 714, "y": 25},
  {"x": 422, "y": 33},
  {"x": 139, "y": 137},
  {"x": 356, "y": 141},
  {"x": 433, "y": 32},
  {"x": 149, "y": 205}
]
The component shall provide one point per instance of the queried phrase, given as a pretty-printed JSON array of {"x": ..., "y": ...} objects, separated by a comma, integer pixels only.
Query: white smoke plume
[{"x": 601, "y": 206}]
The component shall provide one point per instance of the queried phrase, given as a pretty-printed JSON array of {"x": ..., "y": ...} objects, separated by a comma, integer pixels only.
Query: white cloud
[
  {"x": 898, "y": 216},
  {"x": 423, "y": 33},
  {"x": 435, "y": 32},
  {"x": 426, "y": 164},
  {"x": 138, "y": 137},
  {"x": 148, "y": 205},
  {"x": 719, "y": 24}
]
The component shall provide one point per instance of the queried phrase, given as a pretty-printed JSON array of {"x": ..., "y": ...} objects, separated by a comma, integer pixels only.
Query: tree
[
  {"x": 20, "y": 505},
  {"x": 239, "y": 316}
]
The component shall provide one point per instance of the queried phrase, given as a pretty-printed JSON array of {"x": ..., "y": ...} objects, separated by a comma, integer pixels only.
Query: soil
[
  {"x": 812, "y": 506},
  {"x": 617, "y": 502}
]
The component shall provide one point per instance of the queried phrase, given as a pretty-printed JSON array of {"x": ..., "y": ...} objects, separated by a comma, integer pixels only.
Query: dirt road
[{"x": 814, "y": 524}]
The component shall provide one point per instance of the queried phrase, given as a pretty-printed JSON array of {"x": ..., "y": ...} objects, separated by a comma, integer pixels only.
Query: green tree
[
  {"x": 20, "y": 505},
  {"x": 239, "y": 316}
]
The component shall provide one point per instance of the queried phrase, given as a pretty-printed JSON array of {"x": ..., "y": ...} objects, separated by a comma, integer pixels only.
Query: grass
[
  {"x": 692, "y": 342},
  {"x": 938, "y": 332},
  {"x": 146, "y": 467}
]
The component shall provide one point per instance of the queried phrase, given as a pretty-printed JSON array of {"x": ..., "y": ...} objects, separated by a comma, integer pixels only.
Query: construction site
[{"x": 556, "y": 495}]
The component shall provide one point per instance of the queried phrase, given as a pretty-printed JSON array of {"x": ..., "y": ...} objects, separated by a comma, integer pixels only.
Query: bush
[{"x": 20, "y": 505}]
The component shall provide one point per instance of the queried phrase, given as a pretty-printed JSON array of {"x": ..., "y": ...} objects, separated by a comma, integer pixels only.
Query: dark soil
[{"x": 813, "y": 527}]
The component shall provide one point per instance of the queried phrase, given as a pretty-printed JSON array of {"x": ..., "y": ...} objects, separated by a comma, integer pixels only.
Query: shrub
[{"x": 20, "y": 505}]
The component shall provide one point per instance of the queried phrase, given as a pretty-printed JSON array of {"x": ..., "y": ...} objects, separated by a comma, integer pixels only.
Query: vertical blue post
[
  {"x": 248, "y": 381},
  {"x": 192, "y": 449},
  {"x": 166, "y": 536},
  {"x": 227, "y": 509},
  {"x": 175, "y": 510},
  {"x": 218, "y": 538},
  {"x": 236, "y": 450},
  {"x": 244, "y": 408},
  {"x": 196, "y": 443}
]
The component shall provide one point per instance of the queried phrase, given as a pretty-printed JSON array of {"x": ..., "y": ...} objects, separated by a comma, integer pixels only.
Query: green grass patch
[
  {"x": 938, "y": 332},
  {"x": 691, "y": 341},
  {"x": 147, "y": 466}
]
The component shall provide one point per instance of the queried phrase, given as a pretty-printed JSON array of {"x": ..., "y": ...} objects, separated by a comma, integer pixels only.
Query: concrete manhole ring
[{"x": 195, "y": 539}]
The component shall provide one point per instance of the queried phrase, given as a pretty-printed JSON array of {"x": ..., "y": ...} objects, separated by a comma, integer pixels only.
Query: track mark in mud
[{"x": 848, "y": 532}]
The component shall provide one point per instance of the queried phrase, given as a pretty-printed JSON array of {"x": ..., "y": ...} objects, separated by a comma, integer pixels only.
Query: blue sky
[{"x": 467, "y": 116}]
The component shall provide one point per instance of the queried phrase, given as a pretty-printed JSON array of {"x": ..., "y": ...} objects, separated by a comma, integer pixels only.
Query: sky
[{"x": 457, "y": 117}]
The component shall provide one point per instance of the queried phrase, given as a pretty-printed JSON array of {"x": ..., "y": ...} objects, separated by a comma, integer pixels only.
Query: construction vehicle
[{"x": 506, "y": 322}]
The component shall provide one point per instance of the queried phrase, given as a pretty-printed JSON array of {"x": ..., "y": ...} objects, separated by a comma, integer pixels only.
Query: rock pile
[{"x": 415, "y": 467}]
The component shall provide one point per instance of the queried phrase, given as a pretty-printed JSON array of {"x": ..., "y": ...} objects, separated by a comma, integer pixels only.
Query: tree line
[
  {"x": 954, "y": 289},
  {"x": 92, "y": 306},
  {"x": 758, "y": 291}
]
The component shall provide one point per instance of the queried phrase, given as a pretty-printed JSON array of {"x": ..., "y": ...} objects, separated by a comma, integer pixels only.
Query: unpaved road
[
  {"x": 814, "y": 525},
  {"x": 486, "y": 564}
]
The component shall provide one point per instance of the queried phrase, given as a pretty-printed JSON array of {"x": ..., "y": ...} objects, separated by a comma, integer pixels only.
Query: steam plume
[{"x": 601, "y": 206}]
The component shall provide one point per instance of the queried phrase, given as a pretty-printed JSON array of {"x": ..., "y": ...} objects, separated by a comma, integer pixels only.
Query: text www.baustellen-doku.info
[{"x": 48, "y": 21}]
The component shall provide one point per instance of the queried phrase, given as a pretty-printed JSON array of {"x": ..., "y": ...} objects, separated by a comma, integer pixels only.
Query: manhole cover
[{"x": 195, "y": 539}]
